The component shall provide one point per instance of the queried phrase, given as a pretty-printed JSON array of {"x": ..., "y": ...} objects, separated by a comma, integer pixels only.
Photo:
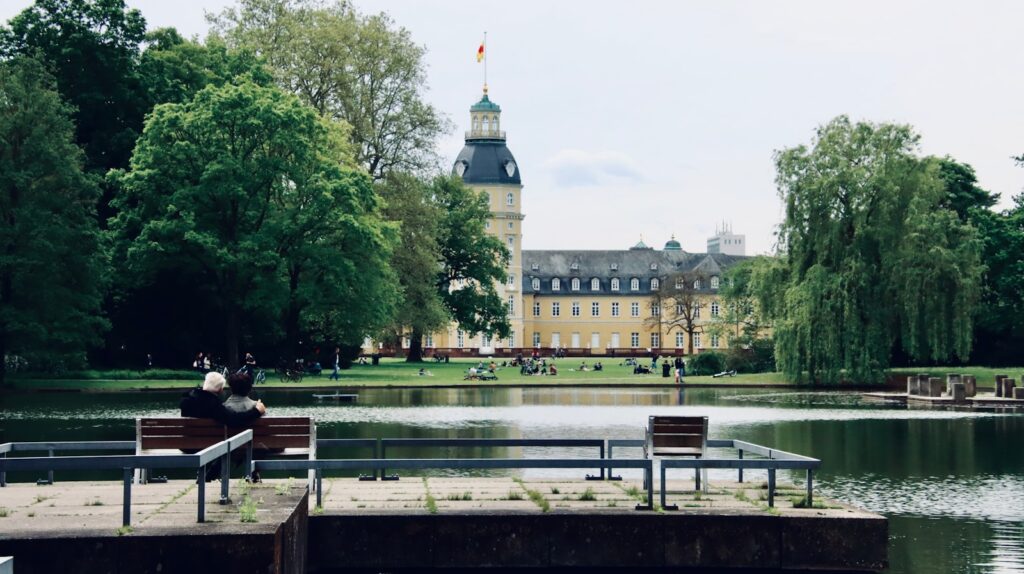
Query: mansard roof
[{"x": 621, "y": 264}]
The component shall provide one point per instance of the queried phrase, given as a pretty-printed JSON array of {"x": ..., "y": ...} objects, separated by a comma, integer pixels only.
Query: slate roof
[
  {"x": 630, "y": 263},
  {"x": 485, "y": 162}
]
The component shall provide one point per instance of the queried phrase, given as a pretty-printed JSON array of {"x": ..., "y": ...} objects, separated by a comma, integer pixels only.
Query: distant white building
[{"x": 727, "y": 242}]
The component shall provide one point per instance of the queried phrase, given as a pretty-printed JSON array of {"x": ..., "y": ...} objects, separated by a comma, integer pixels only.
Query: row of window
[
  {"x": 634, "y": 284},
  {"x": 634, "y": 340},
  {"x": 595, "y": 309}
]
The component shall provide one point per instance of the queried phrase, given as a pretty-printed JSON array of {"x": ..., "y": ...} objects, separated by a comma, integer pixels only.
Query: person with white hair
[{"x": 204, "y": 403}]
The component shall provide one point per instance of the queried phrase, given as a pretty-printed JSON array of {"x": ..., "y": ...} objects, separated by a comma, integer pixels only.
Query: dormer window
[
  {"x": 535, "y": 284},
  {"x": 714, "y": 282},
  {"x": 556, "y": 284},
  {"x": 575, "y": 285},
  {"x": 595, "y": 284},
  {"x": 634, "y": 284}
]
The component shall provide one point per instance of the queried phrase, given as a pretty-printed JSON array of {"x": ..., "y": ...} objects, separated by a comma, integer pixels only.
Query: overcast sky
[{"x": 653, "y": 118}]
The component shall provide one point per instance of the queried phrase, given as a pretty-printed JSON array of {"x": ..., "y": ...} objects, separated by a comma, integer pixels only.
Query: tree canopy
[
  {"x": 51, "y": 264},
  {"x": 246, "y": 187},
  {"x": 363, "y": 70},
  {"x": 869, "y": 257}
]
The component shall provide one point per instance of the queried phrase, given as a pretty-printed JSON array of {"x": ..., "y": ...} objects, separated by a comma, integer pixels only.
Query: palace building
[{"x": 588, "y": 303}]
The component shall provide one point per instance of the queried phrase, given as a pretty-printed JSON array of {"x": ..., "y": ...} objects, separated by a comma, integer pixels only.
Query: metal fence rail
[
  {"x": 128, "y": 463},
  {"x": 320, "y": 465},
  {"x": 773, "y": 460},
  {"x": 598, "y": 443}
]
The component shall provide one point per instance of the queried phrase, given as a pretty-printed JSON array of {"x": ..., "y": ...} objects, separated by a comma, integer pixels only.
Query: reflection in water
[{"x": 952, "y": 482}]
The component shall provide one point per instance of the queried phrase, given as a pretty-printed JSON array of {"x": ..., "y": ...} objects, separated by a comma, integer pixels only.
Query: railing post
[
  {"x": 126, "y": 512},
  {"x": 771, "y": 487},
  {"x": 741, "y": 466},
  {"x": 319, "y": 487},
  {"x": 202, "y": 494},
  {"x": 225, "y": 477},
  {"x": 810, "y": 488}
]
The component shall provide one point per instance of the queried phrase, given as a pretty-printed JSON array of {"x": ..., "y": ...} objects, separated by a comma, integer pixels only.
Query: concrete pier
[{"x": 435, "y": 524}]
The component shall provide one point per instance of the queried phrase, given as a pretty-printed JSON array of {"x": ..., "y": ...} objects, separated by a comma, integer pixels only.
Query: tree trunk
[
  {"x": 415, "y": 347},
  {"x": 231, "y": 332},
  {"x": 291, "y": 319}
]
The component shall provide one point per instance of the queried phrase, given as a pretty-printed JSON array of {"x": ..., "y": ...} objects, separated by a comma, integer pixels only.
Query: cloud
[{"x": 578, "y": 168}]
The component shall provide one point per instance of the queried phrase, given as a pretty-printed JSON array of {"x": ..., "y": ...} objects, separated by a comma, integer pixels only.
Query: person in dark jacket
[{"x": 204, "y": 403}]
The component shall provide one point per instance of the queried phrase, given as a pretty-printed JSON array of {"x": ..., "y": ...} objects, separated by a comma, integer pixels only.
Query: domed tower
[{"x": 486, "y": 164}]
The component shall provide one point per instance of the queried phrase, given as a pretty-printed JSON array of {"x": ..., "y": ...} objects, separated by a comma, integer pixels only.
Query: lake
[{"x": 951, "y": 482}]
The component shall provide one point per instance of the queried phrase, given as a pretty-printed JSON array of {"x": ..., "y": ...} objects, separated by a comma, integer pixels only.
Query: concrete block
[
  {"x": 935, "y": 387},
  {"x": 958, "y": 392},
  {"x": 970, "y": 385},
  {"x": 1018, "y": 393}
]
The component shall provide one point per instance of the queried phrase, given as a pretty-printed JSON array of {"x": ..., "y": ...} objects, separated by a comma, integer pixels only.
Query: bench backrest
[
  {"x": 270, "y": 433},
  {"x": 677, "y": 436}
]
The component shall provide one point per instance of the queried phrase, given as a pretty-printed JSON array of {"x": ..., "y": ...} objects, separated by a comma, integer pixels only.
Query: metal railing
[
  {"x": 421, "y": 443},
  {"x": 773, "y": 460},
  {"x": 320, "y": 465},
  {"x": 128, "y": 463}
]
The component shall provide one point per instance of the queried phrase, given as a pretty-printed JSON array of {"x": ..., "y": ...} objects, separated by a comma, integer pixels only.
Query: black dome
[{"x": 487, "y": 161}]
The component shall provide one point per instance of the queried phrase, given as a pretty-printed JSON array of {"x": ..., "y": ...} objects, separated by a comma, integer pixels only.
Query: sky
[{"x": 648, "y": 119}]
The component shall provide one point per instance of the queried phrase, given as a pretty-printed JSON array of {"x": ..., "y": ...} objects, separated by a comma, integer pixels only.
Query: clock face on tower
[
  {"x": 510, "y": 168},
  {"x": 460, "y": 168}
]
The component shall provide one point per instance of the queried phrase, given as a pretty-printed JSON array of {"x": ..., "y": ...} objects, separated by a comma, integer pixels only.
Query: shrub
[{"x": 707, "y": 363}]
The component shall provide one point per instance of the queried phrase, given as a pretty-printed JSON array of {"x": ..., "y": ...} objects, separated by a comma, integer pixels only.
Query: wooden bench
[
  {"x": 678, "y": 436},
  {"x": 279, "y": 436}
]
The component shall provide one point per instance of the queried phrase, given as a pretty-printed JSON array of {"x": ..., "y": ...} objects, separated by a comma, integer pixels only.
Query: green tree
[
  {"x": 246, "y": 186},
  {"x": 417, "y": 261},
  {"x": 51, "y": 264},
  {"x": 471, "y": 259},
  {"x": 174, "y": 69},
  {"x": 361, "y": 69},
  {"x": 963, "y": 195},
  {"x": 868, "y": 257},
  {"x": 92, "y": 47}
]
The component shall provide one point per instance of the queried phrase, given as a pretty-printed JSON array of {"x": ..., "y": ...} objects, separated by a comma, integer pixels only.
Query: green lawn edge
[{"x": 395, "y": 373}]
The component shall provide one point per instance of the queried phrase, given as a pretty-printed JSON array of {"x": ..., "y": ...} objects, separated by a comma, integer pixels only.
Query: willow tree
[{"x": 868, "y": 257}]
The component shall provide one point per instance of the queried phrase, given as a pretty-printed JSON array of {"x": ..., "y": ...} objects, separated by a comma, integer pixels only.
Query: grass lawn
[{"x": 398, "y": 373}]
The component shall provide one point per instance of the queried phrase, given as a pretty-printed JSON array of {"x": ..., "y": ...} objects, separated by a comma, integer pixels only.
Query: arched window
[
  {"x": 655, "y": 284},
  {"x": 510, "y": 199},
  {"x": 595, "y": 284},
  {"x": 535, "y": 284},
  {"x": 556, "y": 284},
  {"x": 575, "y": 286},
  {"x": 634, "y": 284},
  {"x": 714, "y": 282},
  {"x": 615, "y": 284}
]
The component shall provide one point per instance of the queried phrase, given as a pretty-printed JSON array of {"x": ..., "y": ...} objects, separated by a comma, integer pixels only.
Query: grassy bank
[{"x": 395, "y": 372}]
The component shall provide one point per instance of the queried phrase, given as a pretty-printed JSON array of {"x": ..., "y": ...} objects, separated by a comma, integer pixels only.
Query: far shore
[{"x": 397, "y": 374}]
